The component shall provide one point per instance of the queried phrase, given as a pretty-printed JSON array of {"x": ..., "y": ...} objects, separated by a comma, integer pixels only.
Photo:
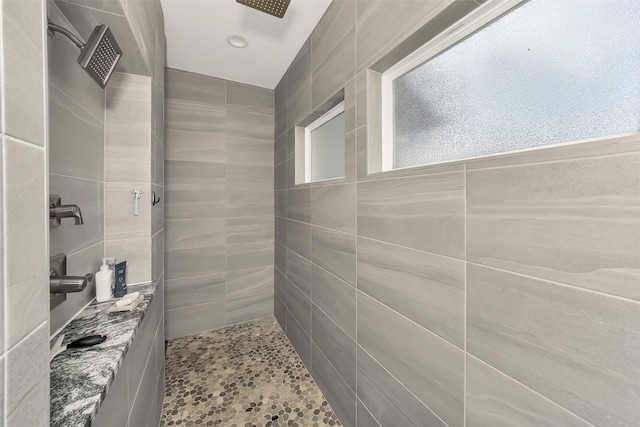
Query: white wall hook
[{"x": 137, "y": 194}]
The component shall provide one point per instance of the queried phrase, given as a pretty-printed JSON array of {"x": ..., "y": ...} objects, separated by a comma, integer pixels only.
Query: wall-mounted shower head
[
  {"x": 99, "y": 55},
  {"x": 272, "y": 7}
]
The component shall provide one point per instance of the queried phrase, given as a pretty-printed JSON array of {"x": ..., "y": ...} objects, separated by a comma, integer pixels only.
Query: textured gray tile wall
[
  {"x": 496, "y": 292},
  {"x": 24, "y": 305},
  {"x": 219, "y": 221}
]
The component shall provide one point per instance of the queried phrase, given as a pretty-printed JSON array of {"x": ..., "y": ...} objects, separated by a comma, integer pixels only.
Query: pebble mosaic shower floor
[{"x": 244, "y": 375}]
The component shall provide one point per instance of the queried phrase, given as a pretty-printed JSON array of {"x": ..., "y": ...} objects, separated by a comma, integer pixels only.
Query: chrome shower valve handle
[{"x": 137, "y": 194}]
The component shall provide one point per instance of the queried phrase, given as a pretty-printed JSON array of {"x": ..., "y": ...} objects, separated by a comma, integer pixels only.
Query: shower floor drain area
[{"x": 241, "y": 376}]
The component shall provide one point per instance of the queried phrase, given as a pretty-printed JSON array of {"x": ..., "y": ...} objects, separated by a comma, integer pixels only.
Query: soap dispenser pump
[{"x": 104, "y": 280}]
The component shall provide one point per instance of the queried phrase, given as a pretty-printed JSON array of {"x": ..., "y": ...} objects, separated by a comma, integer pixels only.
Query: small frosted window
[
  {"x": 327, "y": 150},
  {"x": 546, "y": 73}
]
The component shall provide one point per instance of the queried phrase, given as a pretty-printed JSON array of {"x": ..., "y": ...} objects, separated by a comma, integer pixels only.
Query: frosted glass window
[
  {"x": 547, "y": 72},
  {"x": 327, "y": 150}
]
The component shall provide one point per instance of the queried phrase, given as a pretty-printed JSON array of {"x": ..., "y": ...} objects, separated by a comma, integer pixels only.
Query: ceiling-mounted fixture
[
  {"x": 272, "y": 7},
  {"x": 237, "y": 40},
  {"x": 98, "y": 56}
]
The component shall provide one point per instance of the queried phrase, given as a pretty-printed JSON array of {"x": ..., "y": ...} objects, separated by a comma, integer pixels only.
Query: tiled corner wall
[
  {"x": 107, "y": 142},
  {"x": 24, "y": 300},
  {"x": 496, "y": 292},
  {"x": 219, "y": 212},
  {"x": 76, "y": 164}
]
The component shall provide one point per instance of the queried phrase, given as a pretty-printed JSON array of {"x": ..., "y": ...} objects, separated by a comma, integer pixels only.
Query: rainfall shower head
[
  {"x": 272, "y": 7},
  {"x": 99, "y": 55}
]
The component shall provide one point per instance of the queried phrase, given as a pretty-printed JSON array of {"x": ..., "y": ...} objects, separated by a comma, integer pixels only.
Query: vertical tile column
[
  {"x": 127, "y": 167},
  {"x": 24, "y": 303}
]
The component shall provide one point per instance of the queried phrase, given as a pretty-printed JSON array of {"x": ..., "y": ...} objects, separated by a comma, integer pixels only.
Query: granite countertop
[{"x": 80, "y": 378}]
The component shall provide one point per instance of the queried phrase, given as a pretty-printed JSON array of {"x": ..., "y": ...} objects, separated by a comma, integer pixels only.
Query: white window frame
[
  {"x": 472, "y": 22},
  {"x": 335, "y": 111}
]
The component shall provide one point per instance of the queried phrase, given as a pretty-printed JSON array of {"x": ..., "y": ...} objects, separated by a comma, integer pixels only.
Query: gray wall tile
[
  {"x": 194, "y": 233},
  {"x": 334, "y": 26},
  {"x": 299, "y": 304},
  {"x": 528, "y": 222},
  {"x": 194, "y": 319},
  {"x": 194, "y": 262},
  {"x": 299, "y": 238},
  {"x": 250, "y": 99},
  {"x": 280, "y": 257},
  {"x": 299, "y": 339},
  {"x": 427, "y": 365},
  {"x": 334, "y": 206},
  {"x": 299, "y": 104},
  {"x": 183, "y": 203},
  {"x": 89, "y": 196},
  {"x": 364, "y": 417},
  {"x": 573, "y": 347},
  {"x": 335, "y": 252},
  {"x": 299, "y": 204},
  {"x": 336, "y": 298},
  {"x": 428, "y": 289},
  {"x": 137, "y": 253},
  {"x": 119, "y": 220},
  {"x": 25, "y": 241},
  {"x": 249, "y": 282},
  {"x": 193, "y": 146},
  {"x": 27, "y": 367},
  {"x": 76, "y": 138},
  {"x": 249, "y": 229},
  {"x": 342, "y": 399},
  {"x": 494, "y": 399},
  {"x": 331, "y": 76},
  {"x": 423, "y": 212},
  {"x": 23, "y": 81},
  {"x": 281, "y": 230},
  {"x": 339, "y": 348},
  {"x": 189, "y": 291},
  {"x": 179, "y": 115},
  {"x": 241, "y": 256},
  {"x": 300, "y": 68},
  {"x": 387, "y": 399},
  {"x": 195, "y": 88},
  {"x": 249, "y": 203},
  {"x": 280, "y": 203},
  {"x": 249, "y": 307},
  {"x": 249, "y": 125},
  {"x": 299, "y": 271}
]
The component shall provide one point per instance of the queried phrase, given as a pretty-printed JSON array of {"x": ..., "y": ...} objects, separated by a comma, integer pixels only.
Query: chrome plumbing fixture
[{"x": 57, "y": 211}]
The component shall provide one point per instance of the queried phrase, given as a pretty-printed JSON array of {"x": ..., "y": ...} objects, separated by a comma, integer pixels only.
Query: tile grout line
[{"x": 464, "y": 343}]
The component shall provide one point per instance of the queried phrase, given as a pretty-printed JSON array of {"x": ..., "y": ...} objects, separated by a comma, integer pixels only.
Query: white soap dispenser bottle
[{"x": 104, "y": 279}]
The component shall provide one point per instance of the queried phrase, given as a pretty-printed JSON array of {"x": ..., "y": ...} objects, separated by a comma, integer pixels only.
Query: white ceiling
[{"x": 196, "y": 32}]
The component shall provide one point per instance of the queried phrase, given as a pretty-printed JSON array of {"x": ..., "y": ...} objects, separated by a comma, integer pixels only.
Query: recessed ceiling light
[{"x": 238, "y": 41}]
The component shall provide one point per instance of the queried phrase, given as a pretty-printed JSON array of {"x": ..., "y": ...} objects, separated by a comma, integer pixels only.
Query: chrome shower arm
[{"x": 57, "y": 28}]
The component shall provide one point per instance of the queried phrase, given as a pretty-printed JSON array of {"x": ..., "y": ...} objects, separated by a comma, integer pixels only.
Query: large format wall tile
[
  {"x": 334, "y": 26},
  {"x": 194, "y": 233},
  {"x": 76, "y": 138},
  {"x": 249, "y": 125},
  {"x": 299, "y": 238},
  {"x": 299, "y": 339},
  {"x": 184, "y": 203},
  {"x": 194, "y": 262},
  {"x": 195, "y": 146},
  {"x": 194, "y": 117},
  {"x": 249, "y": 229},
  {"x": 343, "y": 399},
  {"x": 387, "y": 399},
  {"x": 299, "y": 204},
  {"x": 249, "y": 282},
  {"x": 24, "y": 76},
  {"x": 335, "y": 252},
  {"x": 196, "y": 88},
  {"x": 188, "y": 291},
  {"x": 25, "y": 240},
  {"x": 249, "y": 203},
  {"x": 423, "y": 212},
  {"x": 195, "y": 318},
  {"x": 299, "y": 271},
  {"x": 250, "y": 99},
  {"x": 249, "y": 307},
  {"x": 427, "y": 365},
  {"x": 494, "y": 400},
  {"x": 576, "y": 348},
  {"x": 255, "y": 254},
  {"x": 575, "y": 221},
  {"x": 339, "y": 348},
  {"x": 336, "y": 298},
  {"x": 299, "y": 304},
  {"x": 426, "y": 288},
  {"x": 329, "y": 78},
  {"x": 334, "y": 206},
  {"x": 89, "y": 196},
  {"x": 300, "y": 68}
]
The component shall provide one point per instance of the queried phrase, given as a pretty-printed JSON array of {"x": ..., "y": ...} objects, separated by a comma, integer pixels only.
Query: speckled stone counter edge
[{"x": 81, "y": 378}]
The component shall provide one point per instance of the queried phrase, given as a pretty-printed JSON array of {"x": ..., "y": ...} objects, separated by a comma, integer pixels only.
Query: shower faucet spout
[{"x": 57, "y": 211}]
